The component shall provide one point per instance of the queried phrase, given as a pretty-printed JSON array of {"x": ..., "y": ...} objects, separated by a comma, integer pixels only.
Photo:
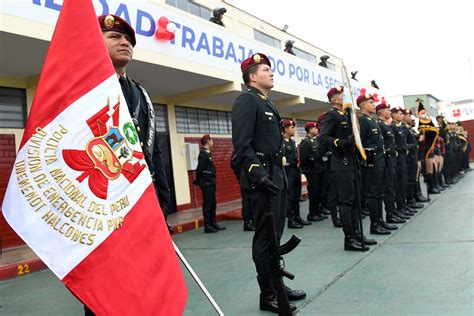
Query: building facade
[{"x": 193, "y": 79}]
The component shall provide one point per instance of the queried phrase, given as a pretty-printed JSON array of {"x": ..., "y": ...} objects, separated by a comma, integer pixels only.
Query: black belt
[{"x": 276, "y": 159}]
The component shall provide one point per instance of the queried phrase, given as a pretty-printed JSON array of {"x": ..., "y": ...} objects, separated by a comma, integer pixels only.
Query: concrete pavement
[{"x": 424, "y": 268}]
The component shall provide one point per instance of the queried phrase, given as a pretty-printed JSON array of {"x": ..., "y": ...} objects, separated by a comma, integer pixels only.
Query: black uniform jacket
[
  {"x": 257, "y": 139},
  {"x": 139, "y": 109},
  {"x": 337, "y": 126},
  {"x": 372, "y": 139},
  {"x": 412, "y": 142},
  {"x": 400, "y": 139},
  {"x": 291, "y": 158},
  {"x": 389, "y": 143},
  {"x": 206, "y": 172},
  {"x": 310, "y": 155}
]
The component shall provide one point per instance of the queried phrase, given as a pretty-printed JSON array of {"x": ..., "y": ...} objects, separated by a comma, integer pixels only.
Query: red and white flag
[{"x": 80, "y": 193}]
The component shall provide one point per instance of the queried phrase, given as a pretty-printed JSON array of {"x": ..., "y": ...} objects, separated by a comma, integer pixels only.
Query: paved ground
[{"x": 425, "y": 268}]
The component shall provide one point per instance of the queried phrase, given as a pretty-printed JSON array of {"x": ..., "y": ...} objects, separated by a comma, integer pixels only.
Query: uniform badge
[
  {"x": 109, "y": 21},
  {"x": 257, "y": 58}
]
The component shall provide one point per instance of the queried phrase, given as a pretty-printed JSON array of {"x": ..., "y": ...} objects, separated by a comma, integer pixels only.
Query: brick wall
[
  {"x": 7, "y": 158},
  {"x": 227, "y": 185},
  {"x": 469, "y": 127}
]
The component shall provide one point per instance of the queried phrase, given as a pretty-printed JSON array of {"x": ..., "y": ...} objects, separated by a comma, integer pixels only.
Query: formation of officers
[{"x": 341, "y": 182}]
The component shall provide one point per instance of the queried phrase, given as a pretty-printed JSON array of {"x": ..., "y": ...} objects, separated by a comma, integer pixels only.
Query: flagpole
[{"x": 197, "y": 280}]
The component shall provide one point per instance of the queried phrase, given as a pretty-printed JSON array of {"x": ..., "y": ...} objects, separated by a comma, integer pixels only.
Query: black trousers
[
  {"x": 315, "y": 188},
  {"x": 260, "y": 204},
  {"x": 293, "y": 191},
  {"x": 412, "y": 168},
  {"x": 324, "y": 176},
  {"x": 373, "y": 187},
  {"x": 401, "y": 181},
  {"x": 389, "y": 189},
  {"x": 208, "y": 203},
  {"x": 344, "y": 196},
  {"x": 246, "y": 212}
]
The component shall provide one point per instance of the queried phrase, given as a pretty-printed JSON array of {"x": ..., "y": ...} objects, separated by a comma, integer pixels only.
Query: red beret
[
  {"x": 205, "y": 139},
  {"x": 309, "y": 125},
  {"x": 396, "y": 109},
  {"x": 335, "y": 90},
  {"x": 110, "y": 22},
  {"x": 382, "y": 106},
  {"x": 285, "y": 123},
  {"x": 255, "y": 59},
  {"x": 364, "y": 97},
  {"x": 319, "y": 120},
  {"x": 407, "y": 111}
]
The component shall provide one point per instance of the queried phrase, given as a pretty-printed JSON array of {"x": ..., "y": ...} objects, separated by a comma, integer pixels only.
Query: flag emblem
[{"x": 108, "y": 154}]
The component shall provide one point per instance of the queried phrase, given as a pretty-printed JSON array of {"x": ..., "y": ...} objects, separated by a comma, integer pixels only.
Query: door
[{"x": 163, "y": 137}]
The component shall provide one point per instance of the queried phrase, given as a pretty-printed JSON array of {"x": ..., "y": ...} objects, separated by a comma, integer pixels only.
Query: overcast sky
[{"x": 407, "y": 46}]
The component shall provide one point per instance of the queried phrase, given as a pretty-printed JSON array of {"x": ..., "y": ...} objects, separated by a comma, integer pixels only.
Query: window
[
  {"x": 301, "y": 53},
  {"x": 161, "y": 118},
  {"x": 331, "y": 66},
  {"x": 202, "y": 121},
  {"x": 267, "y": 39},
  {"x": 191, "y": 7},
  {"x": 12, "y": 108},
  {"x": 300, "y": 127}
]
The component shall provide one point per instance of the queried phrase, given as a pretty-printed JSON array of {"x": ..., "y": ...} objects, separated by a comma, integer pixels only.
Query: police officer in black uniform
[
  {"x": 401, "y": 169},
  {"x": 257, "y": 137},
  {"x": 119, "y": 38},
  {"x": 311, "y": 164},
  {"x": 389, "y": 172},
  {"x": 373, "y": 166},
  {"x": 293, "y": 174},
  {"x": 206, "y": 179},
  {"x": 336, "y": 133}
]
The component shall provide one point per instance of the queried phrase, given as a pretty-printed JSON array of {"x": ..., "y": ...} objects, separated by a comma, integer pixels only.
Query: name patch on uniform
[
  {"x": 343, "y": 123},
  {"x": 269, "y": 113}
]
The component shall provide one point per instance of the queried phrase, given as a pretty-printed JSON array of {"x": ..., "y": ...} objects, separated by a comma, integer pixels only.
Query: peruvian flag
[{"x": 80, "y": 193}]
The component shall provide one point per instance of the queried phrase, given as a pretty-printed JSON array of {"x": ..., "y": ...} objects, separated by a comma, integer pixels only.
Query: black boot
[
  {"x": 431, "y": 185},
  {"x": 352, "y": 244},
  {"x": 325, "y": 211},
  {"x": 363, "y": 240},
  {"x": 413, "y": 204},
  {"x": 418, "y": 195},
  {"x": 377, "y": 229},
  {"x": 436, "y": 181},
  {"x": 393, "y": 219},
  {"x": 386, "y": 225},
  {"x": 302, "y": 221},
  {"x": 209, "y": 229},
  {"x": 313, "y": 217},
  {"x": 268, "y": 297},
  {"x": 292, "y": 223},
  {"x": 217, "y": 226},
  {"x": 295, "y": 295},
  {"x": 248, "y": 226}
]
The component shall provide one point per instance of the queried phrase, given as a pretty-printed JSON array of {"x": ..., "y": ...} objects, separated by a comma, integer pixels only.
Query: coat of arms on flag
[{"x": 109, "y": 153}]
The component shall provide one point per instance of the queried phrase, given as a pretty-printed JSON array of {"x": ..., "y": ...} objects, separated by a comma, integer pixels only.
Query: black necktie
[{"x": 126, "y": 90}]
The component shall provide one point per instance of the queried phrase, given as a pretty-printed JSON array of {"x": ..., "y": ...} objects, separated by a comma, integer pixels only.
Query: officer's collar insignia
[
  {"x": 262, "y": 96},
  {"x": 109, "y": 21},
  {"x": 257, "y": 58}
]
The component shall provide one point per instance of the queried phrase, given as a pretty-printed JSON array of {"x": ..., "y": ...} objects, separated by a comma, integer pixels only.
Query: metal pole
[{"x": 197, "y": 280}]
